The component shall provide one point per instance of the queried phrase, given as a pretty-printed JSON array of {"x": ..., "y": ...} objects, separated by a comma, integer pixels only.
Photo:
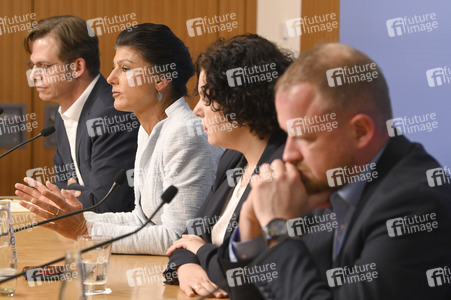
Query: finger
[
  {"x": 292, "y": 171},
  {"x": 54, "y": 188},
  {"x": 27, "y": 190},
  {"x": 71, "y": 181},
  {"x": 187, "y": 290},
  {"x": 188, "y": 236},
  {"x": 206, "y": 288},
  {"x": 203, "y": 289},
  {"x": 36, "y": 210},
  {"x": 58, "y": 200},
  {"x": 74, "y": 192},
  {"x": 170, "y": 250},
  {"x": 71, "y": 199},
  {"x": 23, "y": 195},
  {"x": 36, "y": 184},
  {"x": 279, "y": 167},
  {"x": 46, "y": 206},
  {"x": 25, "y": 204},
  {"x": 222, "y": 293}
]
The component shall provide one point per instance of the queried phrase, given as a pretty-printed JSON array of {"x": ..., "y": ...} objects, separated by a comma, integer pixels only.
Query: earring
[{"x": 159, "y": 96}]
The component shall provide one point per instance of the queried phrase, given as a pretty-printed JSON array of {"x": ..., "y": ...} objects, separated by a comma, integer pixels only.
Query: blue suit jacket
[
  {"x": 106, "y": 142},
  {"x": 305, "y": 267}
]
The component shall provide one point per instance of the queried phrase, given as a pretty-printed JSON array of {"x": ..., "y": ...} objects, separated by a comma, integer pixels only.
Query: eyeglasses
[{"x": 44, "y": 67}]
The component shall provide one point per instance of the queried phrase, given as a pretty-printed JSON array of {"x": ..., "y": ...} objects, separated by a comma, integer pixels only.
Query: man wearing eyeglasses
[{"x": 64, "y": 68}]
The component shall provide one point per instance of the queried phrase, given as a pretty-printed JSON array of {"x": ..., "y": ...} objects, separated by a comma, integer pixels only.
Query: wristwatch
[{"x": 275, "y": 230}]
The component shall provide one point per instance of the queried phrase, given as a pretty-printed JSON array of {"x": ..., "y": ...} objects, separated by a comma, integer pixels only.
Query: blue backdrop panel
[{"x": 411, "y": 42}]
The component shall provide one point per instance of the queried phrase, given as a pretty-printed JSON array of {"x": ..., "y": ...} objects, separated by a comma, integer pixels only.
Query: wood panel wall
[
  {"x": 174, "y": 13},
  {"x": 13, "y": 84},
  {"x": 310, "y": 8}
]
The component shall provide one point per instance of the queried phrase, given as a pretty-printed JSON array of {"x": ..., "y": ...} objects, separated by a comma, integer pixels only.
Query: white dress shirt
[{"x": 70, "y": 118}]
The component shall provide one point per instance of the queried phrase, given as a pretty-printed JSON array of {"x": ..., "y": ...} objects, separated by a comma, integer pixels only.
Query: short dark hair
[
  {"x": 73, "y": 39},
  {"x": 371, "y": 97},
  {"x": 158, "y": 45},
  {"x": 253, "y": 103}
]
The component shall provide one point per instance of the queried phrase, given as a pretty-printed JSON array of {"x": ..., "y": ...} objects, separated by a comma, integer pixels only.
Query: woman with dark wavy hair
[{"x": 236, "y": 81}]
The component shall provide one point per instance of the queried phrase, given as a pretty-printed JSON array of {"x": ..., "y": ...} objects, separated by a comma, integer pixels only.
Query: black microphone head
[
  {"x": 1, "y": 111},
  {"x": 47, "y": 131},
  {"x": 120, "y": 177},
  {"x": 169, "y": 194}
]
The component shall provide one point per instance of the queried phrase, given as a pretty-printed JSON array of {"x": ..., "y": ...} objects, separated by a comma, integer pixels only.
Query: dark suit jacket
[
  {"x": 99, "y": 156},
  {"x": 214, "y": 204},
  {"x": 401, "y": 262}
]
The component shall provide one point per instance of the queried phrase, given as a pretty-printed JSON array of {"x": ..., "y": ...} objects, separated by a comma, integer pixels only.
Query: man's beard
[{"x": 313, "y": 186}]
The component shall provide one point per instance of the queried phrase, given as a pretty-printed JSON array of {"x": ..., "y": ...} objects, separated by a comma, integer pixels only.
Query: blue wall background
[{"x": 404, "y": 60}]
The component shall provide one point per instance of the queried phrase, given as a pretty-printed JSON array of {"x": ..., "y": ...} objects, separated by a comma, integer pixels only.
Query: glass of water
[
  {"x": 8, "y": 258},
  {"x": 95, "y": 263}
]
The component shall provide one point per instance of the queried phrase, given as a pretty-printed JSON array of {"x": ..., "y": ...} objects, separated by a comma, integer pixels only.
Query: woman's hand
[
  {"x": 48, "y": 201},
  {"x": 194, "y": 280},
  {"x": 189, "y": 242}
]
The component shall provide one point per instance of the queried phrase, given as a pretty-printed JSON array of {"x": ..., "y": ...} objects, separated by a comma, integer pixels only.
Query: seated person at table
[
  {"x": 64, "y": 62},
  {"x": 393, "y": 228},
  {"x": 167, "y": 153},
  {"x": 253, "y": 137}
]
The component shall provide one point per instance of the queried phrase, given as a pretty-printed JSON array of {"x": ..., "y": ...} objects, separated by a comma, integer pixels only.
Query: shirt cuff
[{"x": 247, "y": 250}]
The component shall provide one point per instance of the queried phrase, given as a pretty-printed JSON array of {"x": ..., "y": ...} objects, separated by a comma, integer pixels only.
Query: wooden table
[{"x": 40, "y": 245}]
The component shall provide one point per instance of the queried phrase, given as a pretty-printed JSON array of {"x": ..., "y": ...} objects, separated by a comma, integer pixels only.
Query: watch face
[{"x": 277, "y": 227}]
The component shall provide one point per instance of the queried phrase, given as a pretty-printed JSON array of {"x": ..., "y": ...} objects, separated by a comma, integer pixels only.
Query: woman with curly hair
[{"x": 236, "y": 81}]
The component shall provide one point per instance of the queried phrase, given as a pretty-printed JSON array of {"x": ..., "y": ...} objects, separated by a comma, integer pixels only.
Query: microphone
[
  {"x": 254, "y": 262},
  {"x": 166, "y": 197},
  {"x": 1, "y": 110},
  {"x": 44, "y": 132},
  {"x": 118, "y": 180}
]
